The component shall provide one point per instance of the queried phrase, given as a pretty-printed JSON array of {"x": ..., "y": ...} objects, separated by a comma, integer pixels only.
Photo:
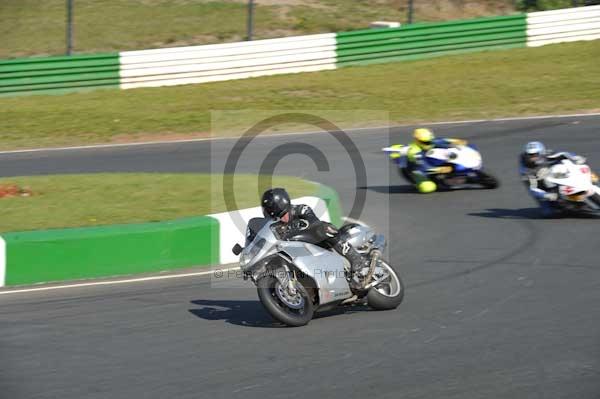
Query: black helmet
[{"x": 275, "y": 203}]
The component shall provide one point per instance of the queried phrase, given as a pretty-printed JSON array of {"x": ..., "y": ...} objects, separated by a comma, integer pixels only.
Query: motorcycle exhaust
[{"x": 374, "y": 258}]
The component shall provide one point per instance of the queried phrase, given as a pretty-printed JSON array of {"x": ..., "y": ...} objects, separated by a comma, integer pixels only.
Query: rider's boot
[
  {"x": 357, "y": 263},
  {"x": 423, "y": 184},
  {"x": 426, "y": 187}
]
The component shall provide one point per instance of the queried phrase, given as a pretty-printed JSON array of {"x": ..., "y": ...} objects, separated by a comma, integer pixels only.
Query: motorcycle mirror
[{"x": 237, "y": 249}]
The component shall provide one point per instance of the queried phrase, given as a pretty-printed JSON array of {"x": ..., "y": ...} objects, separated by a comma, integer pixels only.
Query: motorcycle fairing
[{"x": 325, "y": 267}]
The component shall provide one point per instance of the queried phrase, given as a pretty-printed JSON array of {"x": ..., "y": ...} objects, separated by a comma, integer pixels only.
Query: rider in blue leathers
[{"x": 418, "y": 171}]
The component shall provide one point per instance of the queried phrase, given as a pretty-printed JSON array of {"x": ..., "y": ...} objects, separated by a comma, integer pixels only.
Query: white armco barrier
[
  {"x": 240, "y": 60},
  {"x": 558, "y": 26},
  {"x": 211, "y": 63}
]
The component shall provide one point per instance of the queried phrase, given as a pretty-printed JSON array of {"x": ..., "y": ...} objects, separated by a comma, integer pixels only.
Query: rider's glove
[
  {"x": 542, "y": 173},
  {"x": 440, "y": 170},
  {"x": 330, "y": 230},
  {"x": 551, "y": 196}
]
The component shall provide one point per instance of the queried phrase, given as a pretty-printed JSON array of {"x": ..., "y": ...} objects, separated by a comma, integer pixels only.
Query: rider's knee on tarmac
[{"x": 426, "y": 187}]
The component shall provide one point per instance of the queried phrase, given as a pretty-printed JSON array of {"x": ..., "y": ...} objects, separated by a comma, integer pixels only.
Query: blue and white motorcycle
[{"x": 453, "y": 167}]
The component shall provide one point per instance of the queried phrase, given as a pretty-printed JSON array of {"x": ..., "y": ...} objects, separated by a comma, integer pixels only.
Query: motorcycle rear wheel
[
  {"x": 267, "y": 287},
  {"x": 596, "y": 199},
  {"x": 487, "y": 180},
  {"x": 389, "y": 295}
]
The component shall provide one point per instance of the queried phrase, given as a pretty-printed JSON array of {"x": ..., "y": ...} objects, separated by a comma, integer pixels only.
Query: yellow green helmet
[{"x": 424, "y": 137}]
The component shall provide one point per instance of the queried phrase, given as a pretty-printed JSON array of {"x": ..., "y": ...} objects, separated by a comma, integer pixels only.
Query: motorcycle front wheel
[
  {"x": 292, "y": 310},
  {"x": 389, "y": 293}
]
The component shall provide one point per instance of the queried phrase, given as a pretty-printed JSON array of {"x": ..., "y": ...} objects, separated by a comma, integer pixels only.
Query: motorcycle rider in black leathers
[
  {"x": 534, "y": 162},
  {"x": 276, "y": 205}
]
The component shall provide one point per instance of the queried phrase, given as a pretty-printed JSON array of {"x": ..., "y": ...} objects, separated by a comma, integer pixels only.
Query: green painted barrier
[
  {"x": 47, "y": 63},
  {"x": 70, "y": 254},
  {"x": 80, "y": 253},
  {"x": 49, "y": 74},
  {"x": 427, "y": 40},
  {"x": 50, "y": 88}
]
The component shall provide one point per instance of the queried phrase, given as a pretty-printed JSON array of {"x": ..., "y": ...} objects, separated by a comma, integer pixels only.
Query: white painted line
[
  {"x": 508, "y": 119},
  {"x": 2, "y": 262},
  {"x": 100, "y": 146},
  {"x": 356, "y": 130},
  {"x": 114, "y": 282}
]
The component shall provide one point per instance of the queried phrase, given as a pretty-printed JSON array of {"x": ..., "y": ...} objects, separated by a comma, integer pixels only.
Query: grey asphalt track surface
[{"x": 499, "y": 303}]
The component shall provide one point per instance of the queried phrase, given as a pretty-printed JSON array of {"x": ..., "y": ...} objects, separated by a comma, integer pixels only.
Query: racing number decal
[{"x": 566, "y": 190}]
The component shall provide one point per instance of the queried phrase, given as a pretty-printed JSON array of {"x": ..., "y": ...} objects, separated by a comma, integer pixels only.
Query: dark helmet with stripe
[{"x": 275, "y": 203}]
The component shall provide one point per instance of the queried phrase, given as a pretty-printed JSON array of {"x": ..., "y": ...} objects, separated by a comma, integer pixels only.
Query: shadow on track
[
  {"x": 343, "y": 310},
  {"x": 408, "y": 189},
  {"x": 529, "y": 213},
  {"x": 253, "y": 314},
  {"x": 499, "y": 213},
  {"x": 241, "y": 313},
  {"x": 405, "y": 189}
]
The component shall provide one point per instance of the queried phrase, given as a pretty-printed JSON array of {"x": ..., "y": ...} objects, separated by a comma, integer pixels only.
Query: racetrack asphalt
[{"x": 499, "y": 303}]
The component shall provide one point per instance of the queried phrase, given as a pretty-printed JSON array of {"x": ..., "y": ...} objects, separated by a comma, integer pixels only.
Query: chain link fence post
[
  {"x": 411, "y": 9},
  {"x": 69, "y": 27},
  {"x": 250, "y": 24}
]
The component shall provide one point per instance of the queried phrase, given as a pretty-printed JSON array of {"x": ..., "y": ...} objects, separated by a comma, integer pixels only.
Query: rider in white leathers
[{"x": 533, "y": 161}]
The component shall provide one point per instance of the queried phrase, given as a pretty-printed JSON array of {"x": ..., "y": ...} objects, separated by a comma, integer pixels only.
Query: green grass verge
[
  {"x": 100, "y": 199},
  {"x": 34, "y": 27},
  {"x": 530, "y": 81}
]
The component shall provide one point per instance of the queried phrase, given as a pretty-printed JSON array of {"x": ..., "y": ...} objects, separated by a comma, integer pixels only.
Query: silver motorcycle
[{"x": 301, "y": 275}]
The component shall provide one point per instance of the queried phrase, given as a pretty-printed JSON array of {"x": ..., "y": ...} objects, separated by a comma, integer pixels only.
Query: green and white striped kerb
[{"x": 92, "y": 252}]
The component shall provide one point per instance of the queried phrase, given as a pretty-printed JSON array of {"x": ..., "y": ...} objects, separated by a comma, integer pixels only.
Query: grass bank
[
  {"x": 34, "y": 27},
  {"x": 552, "y": 79},
  {"x": 99, "y": 199}
]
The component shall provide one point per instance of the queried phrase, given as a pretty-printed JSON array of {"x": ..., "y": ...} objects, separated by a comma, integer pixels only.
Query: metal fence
[
  {"x": 245, "y": 59},
  {"x": 56, "y": 27}
]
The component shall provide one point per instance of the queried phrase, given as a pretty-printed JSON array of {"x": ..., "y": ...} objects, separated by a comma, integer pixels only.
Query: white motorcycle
[
  {"x": 300, "y": 275},
  {"x": 574, "y": 185}
]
